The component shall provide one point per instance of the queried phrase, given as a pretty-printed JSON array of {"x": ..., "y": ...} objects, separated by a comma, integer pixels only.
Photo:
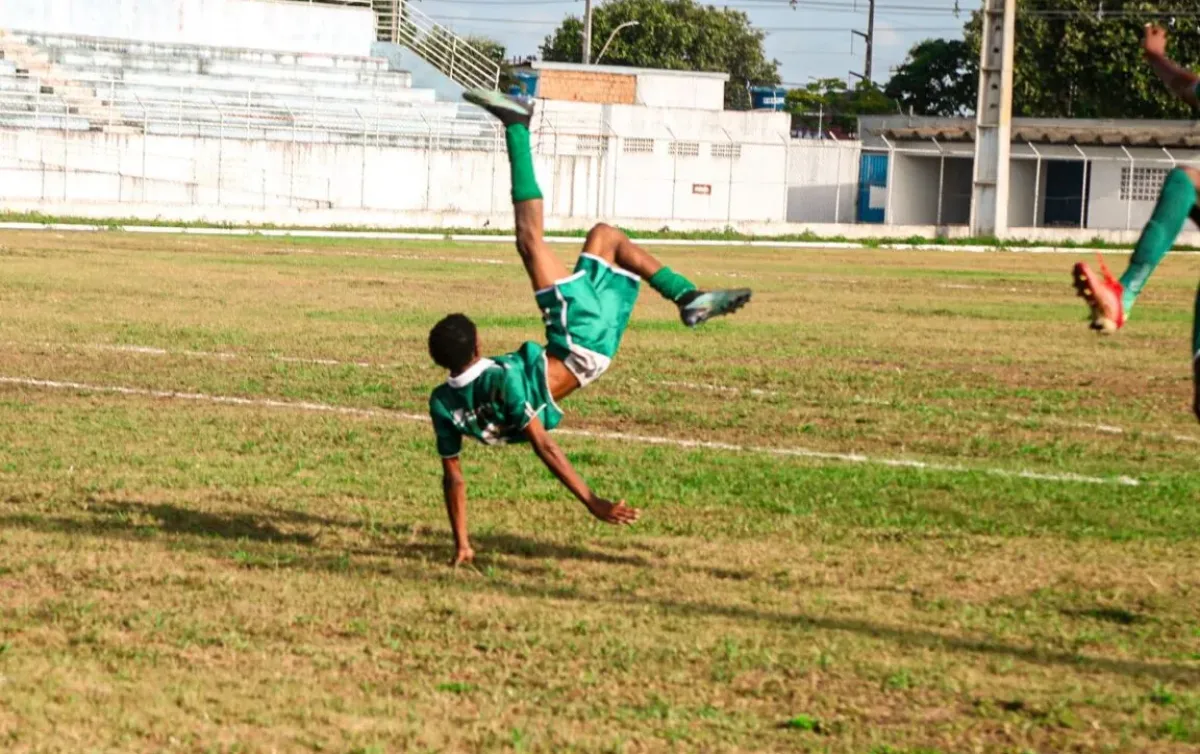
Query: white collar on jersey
[{"x": 469, "y": 376}]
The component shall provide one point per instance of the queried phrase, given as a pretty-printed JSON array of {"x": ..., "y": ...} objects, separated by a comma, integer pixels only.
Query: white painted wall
[
  {"x": 665, "y": 122},
  {"x": 1022, "y": 176},
  {"x": 578, "y": 179},
  {"x": 259, "y": 24},
  {"x": 674, "y": 90},
  {"x": 822, "y": 180},
  {"x": 1106, "y": 208},
  {"x": 914, "y": 190}
]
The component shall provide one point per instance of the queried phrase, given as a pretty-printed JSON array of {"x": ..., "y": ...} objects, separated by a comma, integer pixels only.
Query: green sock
[
  {"x": 670, "y": 284},
  {"x": 520, "y": 159},
  {"x": 1175, "y": 202}
]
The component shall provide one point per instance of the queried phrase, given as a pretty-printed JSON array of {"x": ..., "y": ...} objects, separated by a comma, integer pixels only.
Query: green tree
[
  {"x": 673, "y": 34},
  {"x": 1083, "y": 64},
  {"x": 939, "y": 77},
  {"x": 490, "y": 48},
  {"x": 828, "y": 104}
]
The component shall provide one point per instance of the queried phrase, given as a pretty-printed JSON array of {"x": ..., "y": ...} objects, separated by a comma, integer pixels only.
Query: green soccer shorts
[{"x": 586, "y": 315}]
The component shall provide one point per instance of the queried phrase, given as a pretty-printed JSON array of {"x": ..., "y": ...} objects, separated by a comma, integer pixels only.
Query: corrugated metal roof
[{"x": 1097, "y": 133}]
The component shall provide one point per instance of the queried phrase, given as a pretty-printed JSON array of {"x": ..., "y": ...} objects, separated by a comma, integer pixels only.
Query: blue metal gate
[{"x": 872, "y": 172}]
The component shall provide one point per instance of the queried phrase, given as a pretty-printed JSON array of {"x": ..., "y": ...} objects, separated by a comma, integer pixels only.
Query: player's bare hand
[
  {"x": 1154, "y": 40},
  {"x": 617, "y": 514},
  {"x": 463, "y": 556}
]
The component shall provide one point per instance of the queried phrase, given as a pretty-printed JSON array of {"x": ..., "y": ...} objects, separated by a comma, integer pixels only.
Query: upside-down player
[
  {"x": 1110, "y": 299},
  {"x": 515, "y": 397}
]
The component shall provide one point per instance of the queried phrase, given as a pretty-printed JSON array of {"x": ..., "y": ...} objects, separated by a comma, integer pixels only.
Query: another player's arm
[
  {"x": 454, "y": 489},
  {"x": 547, "y": 449},
  {"x": 1196, "y": 378},
  {"x": 1178, "y": 79}
]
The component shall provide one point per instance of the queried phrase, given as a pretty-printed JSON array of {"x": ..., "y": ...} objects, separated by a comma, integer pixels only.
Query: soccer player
[
  {"x": 1110, "y": 299},
  {"x": 515, "y": 397}
]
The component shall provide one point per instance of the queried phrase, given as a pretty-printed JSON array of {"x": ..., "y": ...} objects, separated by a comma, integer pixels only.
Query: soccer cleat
[
  {"x": 698, "y": 307},
  {"x": 508, "y": 110},
  {"x": 1103, "y": 296}
]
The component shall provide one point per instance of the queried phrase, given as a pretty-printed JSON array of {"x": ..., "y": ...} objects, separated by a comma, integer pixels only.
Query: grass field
[{"x": 269, "y": 573}]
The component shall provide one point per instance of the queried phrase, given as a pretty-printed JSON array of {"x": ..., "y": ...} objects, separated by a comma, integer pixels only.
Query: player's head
[{"x": 454, "y": 342}]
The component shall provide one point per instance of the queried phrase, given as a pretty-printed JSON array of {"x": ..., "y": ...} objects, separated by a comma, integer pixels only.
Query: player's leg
[
  {"x": 543, "y": 267},
  {"x": 695, "y": 306},
  {"x": 1110, "y": 299}
]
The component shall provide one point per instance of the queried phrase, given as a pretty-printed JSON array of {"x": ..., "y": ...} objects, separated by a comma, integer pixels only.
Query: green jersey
[{"x": 493, "y": 401}]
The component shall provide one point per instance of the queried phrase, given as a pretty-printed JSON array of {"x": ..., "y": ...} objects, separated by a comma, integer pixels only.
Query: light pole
[
  {"x": 587, "y": 32},
  {"x": 611, "y": 37}
]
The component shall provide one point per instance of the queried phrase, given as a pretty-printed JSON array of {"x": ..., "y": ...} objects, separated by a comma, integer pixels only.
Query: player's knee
[
  {"x": 603, "y": 235},
  {"x": 527, "y": 241}
]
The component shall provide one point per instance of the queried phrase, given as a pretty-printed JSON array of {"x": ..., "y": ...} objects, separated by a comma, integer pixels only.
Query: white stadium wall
[
  {"x": 822, "y": 178},
  {"x": 258, "y": 24},
  {"x": 1109, "y": 206},
  {"x": 668, "y": 90},
  {"x": 93, "y": 168}
]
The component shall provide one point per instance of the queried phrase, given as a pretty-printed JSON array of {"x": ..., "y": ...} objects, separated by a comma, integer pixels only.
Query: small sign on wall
[{"x": 703, "y": 189}]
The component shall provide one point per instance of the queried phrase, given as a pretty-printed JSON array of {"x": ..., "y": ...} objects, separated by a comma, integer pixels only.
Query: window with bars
[
  {"x": 685, "y": 149},
  {"x": 590, "y": 143},
  {"x": 639, "y": 146},
  {"x": 727, "y": 151},
  {"x": 1141, "y": 184}
]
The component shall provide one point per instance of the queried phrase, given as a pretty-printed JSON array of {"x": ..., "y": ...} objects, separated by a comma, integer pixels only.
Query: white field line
[
  {"x": 467, "y": 237},
  {"x": 223, "y": 355},
  {"x": 1106, "y": 429},
  {"x": 618, "y": 436},
  {"x": 403, "y": 257}
]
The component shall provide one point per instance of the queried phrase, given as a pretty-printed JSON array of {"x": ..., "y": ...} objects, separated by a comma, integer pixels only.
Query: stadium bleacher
[{"x": 72, "y": 82}]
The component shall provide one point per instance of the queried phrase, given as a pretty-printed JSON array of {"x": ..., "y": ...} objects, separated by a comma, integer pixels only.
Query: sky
[{"x": 813, "y": 40}]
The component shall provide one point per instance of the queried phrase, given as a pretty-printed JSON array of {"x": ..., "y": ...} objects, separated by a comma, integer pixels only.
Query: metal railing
[{"x": 446, "y": 51}]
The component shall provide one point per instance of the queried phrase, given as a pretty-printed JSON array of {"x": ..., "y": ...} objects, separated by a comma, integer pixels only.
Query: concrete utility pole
[
  {"x": 993, "y": 120},
  {"x": 869, "y": 37},
  {"x": 587, "y": 32}
]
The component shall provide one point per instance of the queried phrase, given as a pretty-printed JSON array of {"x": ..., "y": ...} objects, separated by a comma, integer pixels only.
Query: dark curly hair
[{"x": 452, "y": 342}]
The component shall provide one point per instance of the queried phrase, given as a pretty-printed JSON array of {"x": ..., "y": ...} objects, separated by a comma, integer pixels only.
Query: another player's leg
[
  {"x": 543, "y": 267},
  {"x": 1111, "y": 300},
  {"x": 695, "y": 306}
]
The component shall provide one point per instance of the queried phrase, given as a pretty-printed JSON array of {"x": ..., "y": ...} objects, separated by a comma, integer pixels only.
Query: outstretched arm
[
  {"x": 612, "y": 513},
  {"x": 1178, "y": 79},
  {"x": 454, "y": 488}
]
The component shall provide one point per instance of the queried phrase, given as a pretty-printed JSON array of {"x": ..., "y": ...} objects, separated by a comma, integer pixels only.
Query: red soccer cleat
[{"x": 1103, "y": 296}]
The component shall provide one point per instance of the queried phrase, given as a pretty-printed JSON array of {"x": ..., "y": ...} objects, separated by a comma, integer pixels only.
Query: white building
[
  {"x": 275, "y": 111},
  {"x": 1083, "y": 174}
]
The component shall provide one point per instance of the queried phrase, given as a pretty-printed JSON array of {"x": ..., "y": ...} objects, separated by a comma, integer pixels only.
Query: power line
[{"x": 769, "y": 29}]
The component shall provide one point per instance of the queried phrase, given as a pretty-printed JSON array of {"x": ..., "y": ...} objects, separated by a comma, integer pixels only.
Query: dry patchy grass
[{"x": 182, "y": 576}]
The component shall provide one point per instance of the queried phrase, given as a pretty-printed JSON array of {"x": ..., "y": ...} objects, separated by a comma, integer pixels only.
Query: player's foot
[
  {"x": 698, "y": 307},
  {"x": 508, "y": 110},
  {"x": 1103, "y": 296}
]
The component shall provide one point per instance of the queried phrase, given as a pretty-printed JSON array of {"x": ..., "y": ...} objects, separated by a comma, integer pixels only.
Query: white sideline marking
[
  {"x": 405, "y": 257},
  {"x": 619, "y": 436},
  {"x": 1106, "y": 429},
  {"x": 223, "y": 355},
  {"x": 465, "y": 237}
]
